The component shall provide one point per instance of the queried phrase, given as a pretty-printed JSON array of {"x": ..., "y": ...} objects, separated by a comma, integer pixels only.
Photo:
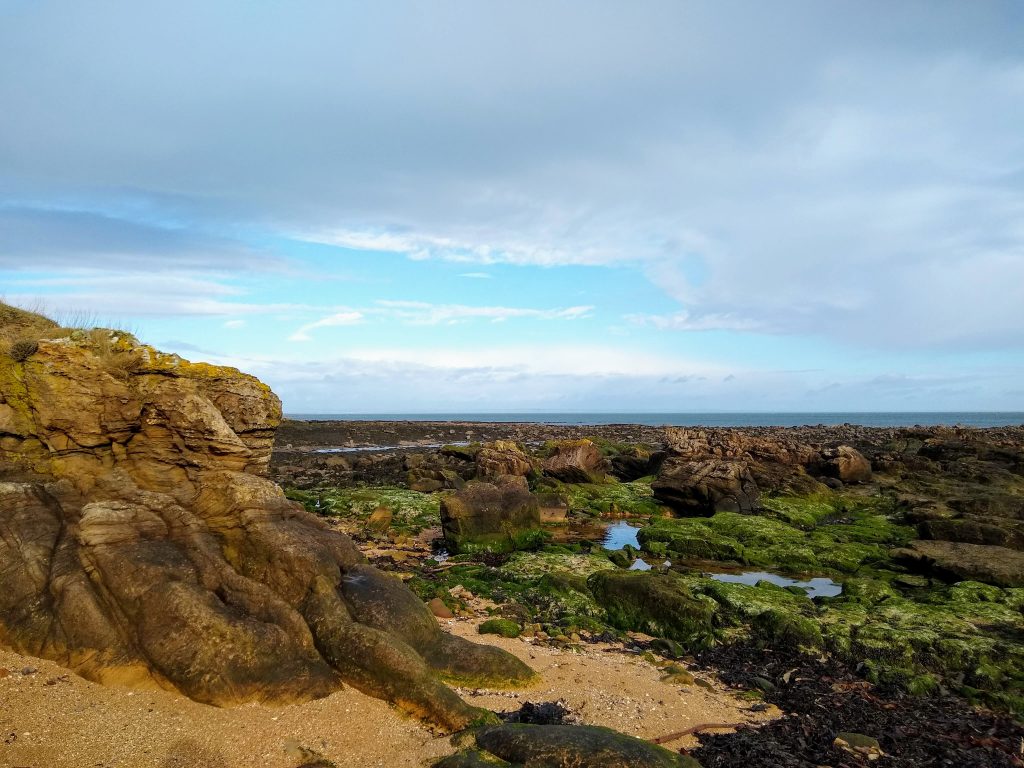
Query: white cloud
[
  {"x": 424, "y": 313},
  {"x": 348, "y": 317},
  {"x": 234, "y": 324},
  {"x": 477, "y": 275}
]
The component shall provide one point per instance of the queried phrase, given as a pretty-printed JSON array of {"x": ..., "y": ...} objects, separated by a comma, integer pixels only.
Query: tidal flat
[{"x": 914, "y": 534}]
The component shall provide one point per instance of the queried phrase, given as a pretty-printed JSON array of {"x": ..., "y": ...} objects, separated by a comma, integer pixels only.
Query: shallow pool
[
  {"x": 817, "y": 587},
  {"x": 617, "y": 535}
]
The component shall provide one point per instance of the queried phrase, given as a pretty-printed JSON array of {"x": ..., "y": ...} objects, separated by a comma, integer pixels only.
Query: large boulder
[
  {"x": 502, "y": 457},
  {"x": 485, "y": 517},
  {"x": 706, "y": 486},
  {"x": 658, "y": 604},
  {"x": 563, "y": 746},
  {"x": 576, "y": 461},
  {"x": 846, "y": 464},
  {"x": 141, "y": 545}
]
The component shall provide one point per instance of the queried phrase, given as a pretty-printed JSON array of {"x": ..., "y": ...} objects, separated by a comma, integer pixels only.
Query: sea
[{"x": 711, "y": 419}]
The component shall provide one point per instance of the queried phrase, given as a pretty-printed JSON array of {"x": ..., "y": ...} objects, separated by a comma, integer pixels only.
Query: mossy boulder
[
  {"x": 660, "y": 604},
  {"x": 503, "y": 627},
  {"x": 484, "y": 517},
  {"x": 563, "y": 746}
]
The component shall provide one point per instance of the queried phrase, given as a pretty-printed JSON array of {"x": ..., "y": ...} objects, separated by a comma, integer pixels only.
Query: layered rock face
[
  {"x": 726, "y": 470},
  {"x": 140, "y": 544}
]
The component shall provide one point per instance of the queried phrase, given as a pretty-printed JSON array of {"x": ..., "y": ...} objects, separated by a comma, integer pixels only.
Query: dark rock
[{"x": 703, "y": 487}]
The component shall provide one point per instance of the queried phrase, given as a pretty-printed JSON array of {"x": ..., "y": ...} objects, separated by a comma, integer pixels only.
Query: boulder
[
  {"x": 703, "y": 487},
  {"x": 576, "y": 461},
  {"x": 141, "y": 545},
  {"x": 502, "y": 457},
  {"x": 957, "y": 561},
  {"x": 484, "y": 517},
  {"x": 845, "y": 464},
  {"x": 635, "y": 462},
  {"x": 563, "y": 746},
  {"x": 658, "y": 604}
]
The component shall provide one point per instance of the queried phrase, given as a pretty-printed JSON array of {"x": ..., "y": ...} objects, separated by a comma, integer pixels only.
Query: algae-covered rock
[
  {"x": 502, "y": 457},
  {"x": 503, "y": 627},
  {"x": 659, "y": 604},
  {"x": 140, "y": 544},
  {"x": 484, "y": 517},
  {"x": 568, "y": 746}
]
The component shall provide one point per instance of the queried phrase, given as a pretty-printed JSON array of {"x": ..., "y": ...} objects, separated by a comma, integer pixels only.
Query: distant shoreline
[{"x": 710, "y": 419}]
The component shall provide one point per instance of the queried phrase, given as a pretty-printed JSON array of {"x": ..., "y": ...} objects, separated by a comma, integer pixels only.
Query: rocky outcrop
[
  {"x": 141, "y": 544},
  {"x": 704, "y": 487},
  {"x": 485, "y": 517},
  {"x": 502, "y": 457},
  {"x": 576, "y": 461}
]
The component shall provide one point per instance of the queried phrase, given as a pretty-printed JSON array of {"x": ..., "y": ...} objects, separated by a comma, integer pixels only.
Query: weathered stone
[
  {"x": 965, "y": 562},
  {"x": 140, "y": 545},
  {"x": 491, "y": 518},
  {"x": 576, "y": 461},
  {"x": 845, "y": 464},
  {"x": 703, "y": 487},
  {"x": 502, "y": 457}
]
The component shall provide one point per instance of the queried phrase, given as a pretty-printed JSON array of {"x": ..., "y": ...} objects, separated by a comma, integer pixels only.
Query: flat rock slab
[{"x": 1001, "y": 566}]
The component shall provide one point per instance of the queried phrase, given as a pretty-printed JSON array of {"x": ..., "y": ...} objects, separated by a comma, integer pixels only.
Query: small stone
[
  {"x": 765, "y": 685},
  {"x": 28, "y": 670},
  {"x": 4, "y": 672},
  {"x": 439, "y": 609},
  {"x": 858, "y": 743}
]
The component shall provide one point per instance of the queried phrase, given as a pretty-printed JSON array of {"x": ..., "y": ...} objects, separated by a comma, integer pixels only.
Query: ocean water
[{"x": 722, "y": 419}]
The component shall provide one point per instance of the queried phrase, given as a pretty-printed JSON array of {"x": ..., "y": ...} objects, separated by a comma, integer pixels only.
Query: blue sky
[{"x": 469, "y": 206}]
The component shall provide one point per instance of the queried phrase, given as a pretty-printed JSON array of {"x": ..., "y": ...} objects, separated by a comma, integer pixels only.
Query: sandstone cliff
[{"x": 140, "y": 543}]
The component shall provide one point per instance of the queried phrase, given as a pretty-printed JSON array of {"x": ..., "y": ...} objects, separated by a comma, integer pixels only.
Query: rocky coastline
[{"x": 529, "y": 595}]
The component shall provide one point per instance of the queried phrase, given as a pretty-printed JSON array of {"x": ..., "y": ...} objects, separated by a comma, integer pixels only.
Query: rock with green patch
[
  {"x": 484, "y": 517},
  {"x": 576, "y": 461},
  {"x": 660, "y": 604},
  {"x": 503, "y": 627},
  {"x": 562, "y": 746}
]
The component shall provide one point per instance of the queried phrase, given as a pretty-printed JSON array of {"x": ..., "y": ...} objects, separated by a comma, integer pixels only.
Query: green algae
[
  {"x": 411, "y": 511},
  {"x": 821, "y": 534},
  {"x": 503, "y": 627},
  {"x": 635, "y": 498}
]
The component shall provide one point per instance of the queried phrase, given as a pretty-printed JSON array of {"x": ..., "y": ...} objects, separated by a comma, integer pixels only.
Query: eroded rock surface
[{"x": 141, "y": 544}]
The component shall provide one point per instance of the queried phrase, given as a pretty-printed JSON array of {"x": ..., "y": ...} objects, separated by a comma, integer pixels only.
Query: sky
[{"x": 465, "y": 206}]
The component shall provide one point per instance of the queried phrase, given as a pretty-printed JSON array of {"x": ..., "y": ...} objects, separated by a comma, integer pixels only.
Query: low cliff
[{"x": 141, "y": 544}]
